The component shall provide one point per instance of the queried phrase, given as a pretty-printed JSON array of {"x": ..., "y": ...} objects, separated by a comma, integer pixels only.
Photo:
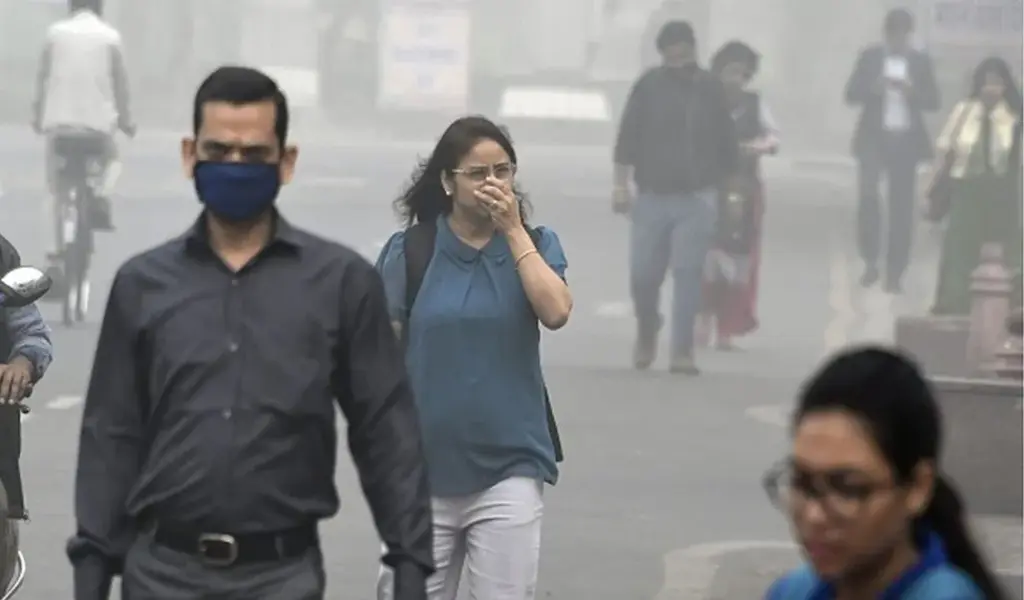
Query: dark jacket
[
  {"x": 23, "y": 332},
  {"x": 861, "y": 90},
  {"x": 10, "y": 416},
  {"x": 677, "y": 132}
]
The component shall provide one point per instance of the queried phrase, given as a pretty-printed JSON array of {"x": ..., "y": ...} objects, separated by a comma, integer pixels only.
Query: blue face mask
[{"x": 237, "y": 191}]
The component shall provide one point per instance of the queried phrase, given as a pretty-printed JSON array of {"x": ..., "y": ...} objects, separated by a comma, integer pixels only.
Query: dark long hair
[
  {"x": 998, "y": 67},
  {"x": 425, "y": 199},
  {"x": 893, "y": 400}
]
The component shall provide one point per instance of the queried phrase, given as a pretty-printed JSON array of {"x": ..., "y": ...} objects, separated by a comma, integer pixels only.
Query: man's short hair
[
  {"x": 674, "y": 33},
  {"x": 239, "y": 86},
  {"x": 899, "y": 20}
]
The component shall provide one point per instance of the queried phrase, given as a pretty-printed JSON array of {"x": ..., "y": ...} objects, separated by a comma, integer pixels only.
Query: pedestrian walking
[
  {"x": 732, "y": 273},
  {"x": 677, "y": 143},
  {"x": 976, "y": 183},
  {"x": 208, "y": 442},
  {"x": 865, "y": 490},
  {"x": 468, "y": 282},
  {"x": 893, "y": 84}
]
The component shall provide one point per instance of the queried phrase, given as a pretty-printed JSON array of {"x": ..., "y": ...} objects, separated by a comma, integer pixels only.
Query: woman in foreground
[{"x": 868, "y": 502}]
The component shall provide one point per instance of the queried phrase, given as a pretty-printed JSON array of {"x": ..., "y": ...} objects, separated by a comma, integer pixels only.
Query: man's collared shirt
[
  {"x": 78, "y": 87},
  {"x": 211, "y": 401},
  {"x": 896, "y": 118}
]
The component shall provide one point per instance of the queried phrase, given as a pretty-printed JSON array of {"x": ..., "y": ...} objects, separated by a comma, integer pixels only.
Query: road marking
[
  {"x": 64, "y": 402},
  {"x": 690, "y": 572},
  {"x": 776, "y": 415},
  {"x": 614, "y": 310}
]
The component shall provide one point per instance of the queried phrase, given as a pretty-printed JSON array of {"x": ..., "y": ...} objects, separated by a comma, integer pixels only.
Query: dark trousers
[
  {"x": 156, "y": 572},
  {"x": 897, "y": 161}
]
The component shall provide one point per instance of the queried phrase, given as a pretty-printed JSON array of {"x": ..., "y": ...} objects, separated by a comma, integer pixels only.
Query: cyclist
[{"x": 82, "y": 90}]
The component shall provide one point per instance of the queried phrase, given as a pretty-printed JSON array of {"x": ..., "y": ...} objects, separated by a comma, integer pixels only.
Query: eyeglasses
[
  {"x": 841, "y": 494},
  {"x": 502, "y": 172}
]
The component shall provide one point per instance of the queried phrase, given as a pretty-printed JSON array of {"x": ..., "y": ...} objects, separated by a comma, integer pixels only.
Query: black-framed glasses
[
  {"x": 479, "y": 174},
  {"x": 842, "y": 493}
]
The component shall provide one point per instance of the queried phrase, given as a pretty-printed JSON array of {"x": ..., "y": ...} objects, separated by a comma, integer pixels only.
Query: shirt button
[
  {"x": 226, "y": 413},
  {"x": 233, "y": 347},
  {"x": 234, "y": 283}
]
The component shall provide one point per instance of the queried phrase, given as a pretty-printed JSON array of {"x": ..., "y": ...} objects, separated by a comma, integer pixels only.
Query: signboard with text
[{"x": 424, "y": 56}]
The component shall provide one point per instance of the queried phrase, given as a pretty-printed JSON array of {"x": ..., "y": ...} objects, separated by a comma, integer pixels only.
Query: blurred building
[{"x": 354, "y": 57}]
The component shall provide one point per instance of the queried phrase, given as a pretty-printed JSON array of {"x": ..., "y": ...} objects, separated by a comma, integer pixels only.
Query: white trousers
[{"x": 494, "y": 535}]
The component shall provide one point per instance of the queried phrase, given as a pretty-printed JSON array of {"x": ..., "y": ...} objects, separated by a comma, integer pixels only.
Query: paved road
[{"x": 660, "y": 495}]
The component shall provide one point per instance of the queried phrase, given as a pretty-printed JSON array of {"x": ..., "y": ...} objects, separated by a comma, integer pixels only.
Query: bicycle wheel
[
  {"x": 83, "y": 252},
  {"x": 82, "y": 286},
  {"x": 70, "y": 252}
]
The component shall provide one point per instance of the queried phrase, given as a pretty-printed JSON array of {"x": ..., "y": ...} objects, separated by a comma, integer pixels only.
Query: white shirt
[
  {"x": 79, "y": 91},
  {"x": 897, "y": 113}
]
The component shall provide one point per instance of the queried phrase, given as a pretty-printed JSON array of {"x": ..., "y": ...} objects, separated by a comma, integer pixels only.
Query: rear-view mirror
[{"x": 23, "y": 286}]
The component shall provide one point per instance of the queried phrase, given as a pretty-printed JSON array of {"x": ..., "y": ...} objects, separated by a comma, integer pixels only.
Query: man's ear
[
  {"x": 288, "y": 160},
  {"x": 188, "y": 156}
]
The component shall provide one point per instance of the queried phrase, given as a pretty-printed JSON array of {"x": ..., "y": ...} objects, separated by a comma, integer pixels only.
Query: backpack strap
[{"x": 419, "y": 250}]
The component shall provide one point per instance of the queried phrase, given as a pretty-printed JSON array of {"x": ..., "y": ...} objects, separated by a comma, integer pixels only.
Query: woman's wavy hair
[
  {"x": 894, "y": 401},
  {"x": 999, "y": 68},
  {"x": 425, "y": 199}
]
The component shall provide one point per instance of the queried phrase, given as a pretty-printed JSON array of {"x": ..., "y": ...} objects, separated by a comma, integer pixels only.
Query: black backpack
[{"x": 419, "y": 250}]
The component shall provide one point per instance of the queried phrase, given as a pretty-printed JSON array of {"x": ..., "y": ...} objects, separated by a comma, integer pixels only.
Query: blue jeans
[{"x": 671, "y": 230}]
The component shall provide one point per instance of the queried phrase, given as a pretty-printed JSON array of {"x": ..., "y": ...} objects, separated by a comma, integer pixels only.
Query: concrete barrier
[
  {"x": 938, "y": 344},
  {"x": 983, "y": 443}
]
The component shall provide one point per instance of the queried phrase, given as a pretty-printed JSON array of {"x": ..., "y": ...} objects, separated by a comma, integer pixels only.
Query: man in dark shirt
[
  {"x": 677, "y": 142},
  {"x": 208, "y": 442},
  {"x": 893, "y": 85}
]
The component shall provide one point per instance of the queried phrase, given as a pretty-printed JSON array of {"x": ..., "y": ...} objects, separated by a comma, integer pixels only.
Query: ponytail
[{"x": 945, "y": 515}]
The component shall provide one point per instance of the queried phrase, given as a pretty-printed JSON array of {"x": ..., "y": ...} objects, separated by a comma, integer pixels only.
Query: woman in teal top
[
  {"x": 866, "y": 495},
  {"x": 473, "y": 354}
]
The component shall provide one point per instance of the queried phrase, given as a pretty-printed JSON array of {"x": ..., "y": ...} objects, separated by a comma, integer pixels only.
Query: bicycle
[{"x": 83, "y": 155}]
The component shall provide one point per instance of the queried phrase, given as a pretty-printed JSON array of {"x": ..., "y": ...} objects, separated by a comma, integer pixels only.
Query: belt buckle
[{"x": 218, "y": 549}]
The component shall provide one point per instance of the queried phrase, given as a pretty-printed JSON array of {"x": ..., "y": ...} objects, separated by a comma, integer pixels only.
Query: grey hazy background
[{"x": 660, "y": 496}]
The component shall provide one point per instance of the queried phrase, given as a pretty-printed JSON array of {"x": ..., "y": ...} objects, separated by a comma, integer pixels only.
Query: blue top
[
  {"x": 474, "y": 361},
  {"x": 932, "y": 578}
]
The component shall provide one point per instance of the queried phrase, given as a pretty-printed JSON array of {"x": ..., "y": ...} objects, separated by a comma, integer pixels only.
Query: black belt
[{"x": 224, "y": 550}]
